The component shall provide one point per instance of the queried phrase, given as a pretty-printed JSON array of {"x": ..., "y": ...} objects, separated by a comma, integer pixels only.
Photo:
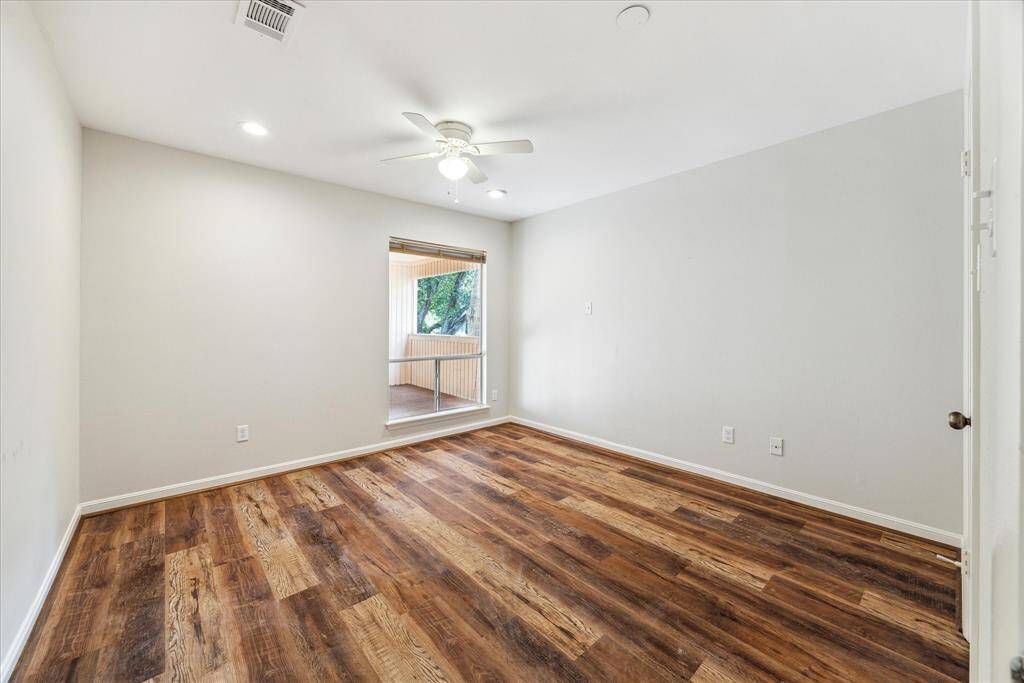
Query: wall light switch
[
  {"x": 728, "y": 435},
  {"x": 494, "y": 395},
  {"x": 775, "y": 445},
  {"x": 242, "y": 433}
]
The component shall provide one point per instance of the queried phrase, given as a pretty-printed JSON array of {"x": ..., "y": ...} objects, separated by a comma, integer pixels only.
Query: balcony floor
[{"x": 407, "y": 400}]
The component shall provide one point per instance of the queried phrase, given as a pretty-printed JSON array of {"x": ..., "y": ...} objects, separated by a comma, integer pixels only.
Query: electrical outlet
[
  {"x": 242, "y": 433},
  {"x": 728, "y": 435},
  {"x": 589, "y": 308},
  {"x": 494, "y": 395},
  {"x": 775, "y": 445}
]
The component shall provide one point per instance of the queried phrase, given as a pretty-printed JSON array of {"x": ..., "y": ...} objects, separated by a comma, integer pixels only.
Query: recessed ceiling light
[
  {"x": 496, "y": 194},
  {"x": 253, "y": 128},
  {"x": 633, "y": 17}
]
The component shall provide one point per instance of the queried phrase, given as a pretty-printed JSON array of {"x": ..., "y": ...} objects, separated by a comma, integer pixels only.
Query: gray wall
[
  {"x": 216, "y": 294},
  {"x": 809, "y": 290},
  {"x": 40, "y": 225}
]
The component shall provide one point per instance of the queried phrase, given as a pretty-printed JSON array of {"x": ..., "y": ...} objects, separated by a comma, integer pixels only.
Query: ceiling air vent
[{"x": 276, "y": 19}]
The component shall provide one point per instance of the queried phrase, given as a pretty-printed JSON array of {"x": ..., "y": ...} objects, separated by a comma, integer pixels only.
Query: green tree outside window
[{"x": 448, "y": 304}]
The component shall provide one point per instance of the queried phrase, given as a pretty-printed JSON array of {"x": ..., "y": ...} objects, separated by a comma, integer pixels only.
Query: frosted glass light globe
[{"x": 453, "y": 168}]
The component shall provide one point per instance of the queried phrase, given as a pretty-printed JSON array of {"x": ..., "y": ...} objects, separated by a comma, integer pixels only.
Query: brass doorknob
[{"x": 958, "y": 420}]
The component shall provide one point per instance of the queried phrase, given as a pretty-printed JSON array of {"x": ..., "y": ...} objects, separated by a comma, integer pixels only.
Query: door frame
[{"x": 971, "y": 333}]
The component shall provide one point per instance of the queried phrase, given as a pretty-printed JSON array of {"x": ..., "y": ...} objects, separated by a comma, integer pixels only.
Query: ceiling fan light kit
[
  {"x": 453, "y": 167},
  {"x": 454, "y": 143}
]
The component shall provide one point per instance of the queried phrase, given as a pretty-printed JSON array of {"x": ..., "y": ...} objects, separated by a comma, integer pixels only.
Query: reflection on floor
[{"x": 408, "y": 400}]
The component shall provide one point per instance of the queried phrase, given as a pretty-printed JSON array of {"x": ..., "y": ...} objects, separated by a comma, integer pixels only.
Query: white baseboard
[
  {"x": 93, "y": 506},
  {"x": 862, "y": 514},
  {"x": 21, "y": 637}
]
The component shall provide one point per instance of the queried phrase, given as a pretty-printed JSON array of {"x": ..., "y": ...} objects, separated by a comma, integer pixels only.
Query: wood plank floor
[{"x": 501, "y": 554}]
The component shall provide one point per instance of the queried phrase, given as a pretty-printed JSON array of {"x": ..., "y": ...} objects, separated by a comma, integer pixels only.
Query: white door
[{"x": 994, "y": 595}]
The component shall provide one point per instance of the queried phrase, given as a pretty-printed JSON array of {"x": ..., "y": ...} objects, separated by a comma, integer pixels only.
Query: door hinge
[{"x": 965, "y": 163}]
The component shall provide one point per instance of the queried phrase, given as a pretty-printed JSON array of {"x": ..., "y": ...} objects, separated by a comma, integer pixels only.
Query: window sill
[{"x": 435, "y": 417}]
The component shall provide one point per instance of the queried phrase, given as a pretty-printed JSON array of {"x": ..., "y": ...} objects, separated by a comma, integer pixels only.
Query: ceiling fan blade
[
  {"x": 506, "y": 147},
  {"x": 412, "y": 157},
  {"x": 474, "y": 173},
  {"x": 421, "y": 122}
]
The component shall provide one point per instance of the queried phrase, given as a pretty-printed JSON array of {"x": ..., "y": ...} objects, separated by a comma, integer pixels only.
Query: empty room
[{"x": 514, "y": 341}]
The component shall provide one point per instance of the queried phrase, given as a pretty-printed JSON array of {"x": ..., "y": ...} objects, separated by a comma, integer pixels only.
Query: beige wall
[
  {"x": 216, "y": 294},
  {"x": 810, "y": 291},
  {"x": 40, "y": 224}
]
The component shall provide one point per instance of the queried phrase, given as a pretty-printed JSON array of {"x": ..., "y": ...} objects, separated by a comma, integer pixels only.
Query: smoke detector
[{"x": 277, "y": 19}]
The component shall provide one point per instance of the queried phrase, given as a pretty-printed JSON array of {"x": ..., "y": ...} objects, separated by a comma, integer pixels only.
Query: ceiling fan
[{"x": 453, "y": 142}]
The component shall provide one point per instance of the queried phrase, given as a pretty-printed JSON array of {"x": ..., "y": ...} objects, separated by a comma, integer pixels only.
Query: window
[
  {"x": 448, "y": 304},
  {"x": 436, "y": 331}
]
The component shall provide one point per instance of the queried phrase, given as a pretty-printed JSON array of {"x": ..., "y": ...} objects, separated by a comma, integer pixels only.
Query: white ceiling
[{"x": 606, "y": 109}]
